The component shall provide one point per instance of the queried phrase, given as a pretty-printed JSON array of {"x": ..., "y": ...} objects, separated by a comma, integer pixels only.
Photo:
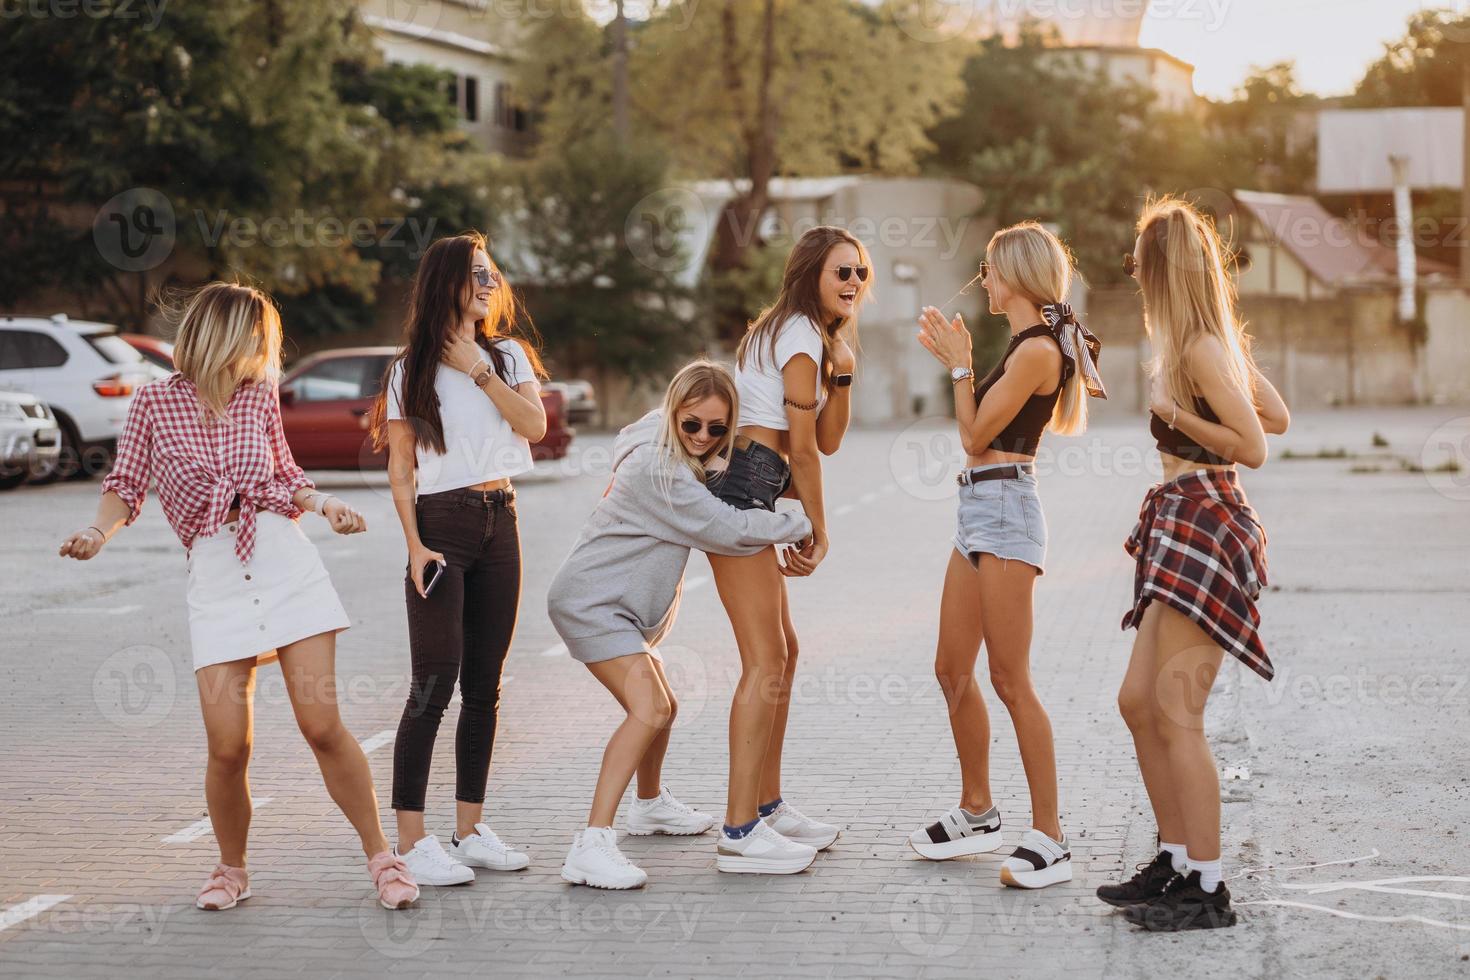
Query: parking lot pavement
[{"x": 1356, "y": 753}]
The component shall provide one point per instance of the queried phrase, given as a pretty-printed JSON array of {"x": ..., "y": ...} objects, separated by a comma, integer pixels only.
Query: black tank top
[
  {"x": 1176, "y": 443},
  {"x": 1022, "y": 434}
]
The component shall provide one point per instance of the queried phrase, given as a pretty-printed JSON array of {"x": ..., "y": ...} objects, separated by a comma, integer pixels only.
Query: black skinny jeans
[{"x": 463, "y": 630}]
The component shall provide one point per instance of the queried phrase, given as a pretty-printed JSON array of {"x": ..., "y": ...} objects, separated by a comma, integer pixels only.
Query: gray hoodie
[{"x": 617, "y": 593}]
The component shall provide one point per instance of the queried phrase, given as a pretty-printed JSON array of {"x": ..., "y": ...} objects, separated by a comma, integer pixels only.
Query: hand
[
  {"x": 1160, "y": 401},
  {"x": 802, "y": 559},
  {"x": 949, "y": 341},
  {"x": 82, "y": 544},
  {"x": 418, "y": 558},
  {"x": 464, "y": 355},
  {"x": 844, "y": 361},
  {"x": 344, "y": 519}
]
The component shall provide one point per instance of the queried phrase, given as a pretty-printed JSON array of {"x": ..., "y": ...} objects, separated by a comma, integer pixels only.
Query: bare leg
[
  {"x": 770, "y": 787},
  {"x": 1138, "y": 703},
  {"x": 309, "y": 668},
  {"x": 750, "y": 589},
  {"x": 1005, "y": 611},
  {"x": 954, "y": 665},
  {"x": 227, "y": 700},
  {"x": 641, "y": 690},
  {"x": 1187, "y": 661},
  {"x": 651, "y": 768}
]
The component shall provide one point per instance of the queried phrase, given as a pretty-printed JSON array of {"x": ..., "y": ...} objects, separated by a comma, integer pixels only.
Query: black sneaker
[
  {"x": 1145, "y": 886},
  {"x": 1184, "y": 905}
]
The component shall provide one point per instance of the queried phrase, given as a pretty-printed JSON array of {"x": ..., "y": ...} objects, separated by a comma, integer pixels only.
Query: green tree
[{"x": 1423, "y": 68}]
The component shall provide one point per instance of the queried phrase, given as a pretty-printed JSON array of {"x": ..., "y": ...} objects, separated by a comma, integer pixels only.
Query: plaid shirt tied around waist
[
  {"x": 1200, "y": 549},
  {"x": 200, "y": 464}
]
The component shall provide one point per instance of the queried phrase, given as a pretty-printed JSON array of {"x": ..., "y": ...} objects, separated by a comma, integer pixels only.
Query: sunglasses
[
  {"x": 1130, "y": 265},
  {"x": 984, "y": 272},
  {"x": 716, "y": 429},
  {"x": 485, "y": 277},
  {"x": 844, "y": 272}
]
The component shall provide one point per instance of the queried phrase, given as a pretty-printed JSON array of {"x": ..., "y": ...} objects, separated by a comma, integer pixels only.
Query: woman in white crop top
[{"x": 794, "y": 377}]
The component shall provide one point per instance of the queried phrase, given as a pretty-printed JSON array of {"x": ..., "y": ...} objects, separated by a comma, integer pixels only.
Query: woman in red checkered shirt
[
  {"x": 1200, "y": 558},
  {"x": 209, "y": 437}
]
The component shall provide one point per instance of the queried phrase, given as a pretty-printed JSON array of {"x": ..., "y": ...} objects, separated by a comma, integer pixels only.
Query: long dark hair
[
  {"x": 436, "y": 309},
  {"x": 801, "y": 294}
]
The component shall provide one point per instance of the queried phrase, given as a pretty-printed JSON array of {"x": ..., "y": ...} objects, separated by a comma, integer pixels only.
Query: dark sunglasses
[
  {"x": 485, "y": 277},
  {"x": 844, "y": 272},
  {"x": 1130, "y": 265},
  {"x": 716, "y": 429}
]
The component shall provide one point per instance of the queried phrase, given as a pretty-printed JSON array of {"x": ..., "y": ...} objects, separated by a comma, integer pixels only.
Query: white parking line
[
  {"x": 109, "y": 611},
  {"x": 378, "y": 741},
  {"x": 844, "y": 509},
  {"x": 867, "y": 498},
  {"x": 30, "y": 908},
  {"x": 555, "y": 651},
  {"x": 199, "y": 828}
]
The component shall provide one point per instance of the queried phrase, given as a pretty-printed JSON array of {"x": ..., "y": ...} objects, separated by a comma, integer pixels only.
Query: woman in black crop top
[
  {"x": 1199, "y": 551},
  {"x": 1043, "y": 380}
]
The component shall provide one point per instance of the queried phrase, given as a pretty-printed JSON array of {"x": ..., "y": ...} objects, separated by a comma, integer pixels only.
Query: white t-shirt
[
  {"x": 479, "y": 443},
  {"x": 761, "y": 386}
]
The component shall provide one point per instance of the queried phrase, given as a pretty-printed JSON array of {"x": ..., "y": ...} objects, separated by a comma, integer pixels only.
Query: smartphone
[{"x": 431, "y": 578}]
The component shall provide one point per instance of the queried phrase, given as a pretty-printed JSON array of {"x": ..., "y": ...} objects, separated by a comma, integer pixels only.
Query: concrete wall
[
  {"x": 1447, "y": 347},
  {"x": 1327, "y": 352}
]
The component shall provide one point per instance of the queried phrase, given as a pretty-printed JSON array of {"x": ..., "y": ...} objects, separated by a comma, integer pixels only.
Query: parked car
[
  {"x": 84, "y": 371},
  {"x": 154, "y": 349},
  {"x": 581, "y": 399},
  {"x": 325, "y": 402},
  {"x": 30, "y": 439}
]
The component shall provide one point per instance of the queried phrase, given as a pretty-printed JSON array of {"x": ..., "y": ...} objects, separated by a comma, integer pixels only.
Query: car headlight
[{"x": 11, "y": 410}]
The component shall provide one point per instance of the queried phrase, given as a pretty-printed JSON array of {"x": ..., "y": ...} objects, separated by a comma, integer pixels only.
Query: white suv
[{"x": 84, "y": 371}]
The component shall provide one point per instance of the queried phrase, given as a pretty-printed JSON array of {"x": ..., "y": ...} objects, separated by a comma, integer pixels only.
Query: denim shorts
[
  {"x": 1002, "y": 518},
  {"x": 755, "y": 478}
]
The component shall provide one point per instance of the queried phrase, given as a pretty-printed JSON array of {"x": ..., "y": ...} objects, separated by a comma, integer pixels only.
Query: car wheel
[
  {"x": 9, "y": 481},
  {"x": 68, "y": 461}
]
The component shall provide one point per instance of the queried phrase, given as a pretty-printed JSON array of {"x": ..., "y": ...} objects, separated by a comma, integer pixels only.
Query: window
[
  {"x": 21, "y": 349},
  {"x": 377, "y": 367},
  {"x": 335, "y": 379},
  {"x": 113, "y": 348},
  {"x": 509, "y": 114},
  {"x": 472, "y": 98}
]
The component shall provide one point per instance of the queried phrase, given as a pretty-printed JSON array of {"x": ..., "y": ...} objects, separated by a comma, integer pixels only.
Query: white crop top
[
  {"x": 761, "y": 386},
  {"x": 479, "y": 443}
]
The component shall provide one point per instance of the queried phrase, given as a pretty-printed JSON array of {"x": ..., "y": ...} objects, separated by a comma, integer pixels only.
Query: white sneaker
[
  {"x": 763, "y": 852},
  {"x": 956, "y": 834},
  {"x": 1038, "y": 862},
  {"x": 483, "y": 849},
  {"x": 794, "y": 825},
  {"x": 595, "y": 860},
  {"x": 666, "y": 815},
  {"x": 430, "y": 864}
]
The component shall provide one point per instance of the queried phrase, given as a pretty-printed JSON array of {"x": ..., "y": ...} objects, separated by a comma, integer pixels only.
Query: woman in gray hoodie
[{"x": 617, "y": 594}]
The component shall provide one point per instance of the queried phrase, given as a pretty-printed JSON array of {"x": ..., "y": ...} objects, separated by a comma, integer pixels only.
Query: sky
[{"x": 1331, "y": 41}]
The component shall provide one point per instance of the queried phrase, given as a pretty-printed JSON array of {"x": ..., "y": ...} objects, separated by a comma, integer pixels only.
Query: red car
[{"x": 326, "y": 398}]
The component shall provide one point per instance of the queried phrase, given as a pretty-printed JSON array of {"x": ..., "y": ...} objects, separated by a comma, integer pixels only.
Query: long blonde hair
[
  {"x": 1037, "y": 265},
  {"x": 695, "y": 382},
  {"x": 227, "y": 334},
  {"x": 1183, "y": 267},
  {"x": 801, "y": 295}
]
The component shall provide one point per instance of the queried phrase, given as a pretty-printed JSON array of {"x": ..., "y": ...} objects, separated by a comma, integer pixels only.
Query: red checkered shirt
[{"x": 199, "y": 466}]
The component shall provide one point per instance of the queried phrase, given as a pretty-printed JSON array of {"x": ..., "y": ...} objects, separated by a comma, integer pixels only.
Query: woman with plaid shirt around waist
[
  {"x": 1201, "y": 558},
  {"x": 210, "y": 436}
]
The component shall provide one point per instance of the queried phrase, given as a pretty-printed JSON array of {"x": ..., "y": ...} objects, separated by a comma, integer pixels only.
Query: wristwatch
[
  {"x": 842, "y": 380},
  {"x": 959, "y": 374},
  {"x": 481, "y": 376}
]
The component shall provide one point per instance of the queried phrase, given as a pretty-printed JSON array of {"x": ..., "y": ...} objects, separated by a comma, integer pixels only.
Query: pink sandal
[
  {"x": 225, "y": 889},
  {"x": 395, "y": 884}
]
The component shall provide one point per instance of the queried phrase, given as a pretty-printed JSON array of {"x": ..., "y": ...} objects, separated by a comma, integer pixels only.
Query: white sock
[
  {"x": 1177, "y": 855},
  {"x": 1209, "y": 873}
]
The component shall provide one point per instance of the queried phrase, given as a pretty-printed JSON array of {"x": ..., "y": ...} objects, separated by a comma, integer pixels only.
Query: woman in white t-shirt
[
  {"x": 794, "y": 377},
  {"x": 460, "y": 407}
]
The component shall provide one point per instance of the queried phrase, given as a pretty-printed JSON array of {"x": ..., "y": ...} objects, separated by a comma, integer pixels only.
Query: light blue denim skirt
[{"x": 1002, "y": 518}]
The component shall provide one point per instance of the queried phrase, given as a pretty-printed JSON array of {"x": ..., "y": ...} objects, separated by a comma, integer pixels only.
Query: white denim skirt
[{"x": 247, "y": 612}]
